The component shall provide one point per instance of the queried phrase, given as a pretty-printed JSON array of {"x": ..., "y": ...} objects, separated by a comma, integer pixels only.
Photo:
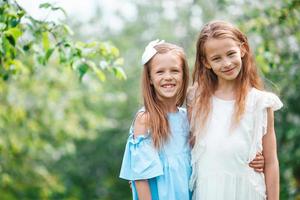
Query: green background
[{"x": 65, "y": 105}]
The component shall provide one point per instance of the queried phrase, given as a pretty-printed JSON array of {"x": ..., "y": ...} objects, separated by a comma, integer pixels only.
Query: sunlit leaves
[
  {"x": 43, "y": 40},
  {"x": 52, "y": 7},
  {"x": 43, "y": 107}
]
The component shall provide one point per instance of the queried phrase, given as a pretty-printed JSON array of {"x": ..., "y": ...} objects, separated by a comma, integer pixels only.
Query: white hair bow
[{"x": 150, "y": 51}]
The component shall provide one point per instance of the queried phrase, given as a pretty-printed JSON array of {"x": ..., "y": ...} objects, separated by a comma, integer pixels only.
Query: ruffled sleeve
[
  {"x": 267, "y": 100},
  {"x": 141, "y": 160},
  {"x": 264, "y": 101}
]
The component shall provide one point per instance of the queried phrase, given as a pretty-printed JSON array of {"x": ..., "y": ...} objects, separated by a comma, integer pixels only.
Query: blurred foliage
[
  {"x": 64, "y": 139},
  {"x": 26, "y": 43},
  {"x": 275, "y": 31},
  {"x": 44, "y": 109}
]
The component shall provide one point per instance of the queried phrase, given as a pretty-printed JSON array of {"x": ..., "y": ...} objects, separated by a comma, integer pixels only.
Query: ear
[{"x": 243, "y": 50}]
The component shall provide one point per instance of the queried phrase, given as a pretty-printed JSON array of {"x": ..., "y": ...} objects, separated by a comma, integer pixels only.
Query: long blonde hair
[
  {"x": 207, "y": 80},
  {"x": 157, "y": 120}
]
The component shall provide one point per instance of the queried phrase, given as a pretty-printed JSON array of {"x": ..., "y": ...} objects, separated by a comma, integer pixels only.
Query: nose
[
  {"x": 226, "y": 62},
  {"x": 168, "y": 76}
]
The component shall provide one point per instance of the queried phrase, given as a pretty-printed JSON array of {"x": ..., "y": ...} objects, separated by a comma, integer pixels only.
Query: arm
[
  {"x": 271, "y": 161},
  {"x": 142, "y": 186},
  {"x": 143, "y": 189}
]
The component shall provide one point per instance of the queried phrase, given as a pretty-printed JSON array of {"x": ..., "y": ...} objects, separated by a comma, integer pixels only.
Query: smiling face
[
  {"x": 166, "y": 75},
  {"x": 224, "y": 57}
]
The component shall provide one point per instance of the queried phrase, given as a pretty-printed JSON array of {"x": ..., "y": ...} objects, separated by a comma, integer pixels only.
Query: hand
[
  {"x": 258, "y": 163},
  {"x": 130, "y": 184}
]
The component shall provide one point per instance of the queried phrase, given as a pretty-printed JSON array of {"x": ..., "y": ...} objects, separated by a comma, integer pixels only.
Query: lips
[
  {"x": 228, "y": 70},
  {"x": 169, "y": 85}
]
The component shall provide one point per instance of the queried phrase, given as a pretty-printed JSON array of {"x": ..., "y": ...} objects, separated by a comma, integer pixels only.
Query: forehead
[
  {"x": 218, "y": 46},
  {"x": 169, "y": 59}
]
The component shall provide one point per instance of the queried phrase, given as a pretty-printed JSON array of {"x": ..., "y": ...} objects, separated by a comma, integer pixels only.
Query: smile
[
  {"x": 228, "y": 70},
  {"x": 168, "y": 85}
]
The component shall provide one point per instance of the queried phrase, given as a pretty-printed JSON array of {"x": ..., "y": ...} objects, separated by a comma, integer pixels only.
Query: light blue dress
[{"x": 168, "y": 169}]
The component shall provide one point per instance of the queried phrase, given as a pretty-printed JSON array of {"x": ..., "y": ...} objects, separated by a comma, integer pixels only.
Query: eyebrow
[{"x": 230, "y": 51}]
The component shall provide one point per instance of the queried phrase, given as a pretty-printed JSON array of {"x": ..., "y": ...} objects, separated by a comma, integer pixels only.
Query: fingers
[
  {"x": 259, "y": 157},
  {"x": 257, "y": 162},
  {"x": 259, "y": 170}
]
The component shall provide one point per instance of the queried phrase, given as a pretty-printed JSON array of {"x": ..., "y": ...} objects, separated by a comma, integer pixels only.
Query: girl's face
[
  {"x": 224, "y": 57},
  {"x": 166, "y": 75}
]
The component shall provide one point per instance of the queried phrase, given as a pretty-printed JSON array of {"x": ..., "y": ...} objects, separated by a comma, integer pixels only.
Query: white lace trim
[{"x": 264, "y": 101}]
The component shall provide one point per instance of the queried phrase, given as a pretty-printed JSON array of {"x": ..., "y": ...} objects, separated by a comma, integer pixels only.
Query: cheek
[
  {"x": 180, "y": 77},
  {"x": 238, "y": 61}
]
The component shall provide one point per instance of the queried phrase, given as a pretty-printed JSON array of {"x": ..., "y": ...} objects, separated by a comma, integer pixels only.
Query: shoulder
[
  {"x": 265, "y": 99},
  {"x": 141, "y": 123}
]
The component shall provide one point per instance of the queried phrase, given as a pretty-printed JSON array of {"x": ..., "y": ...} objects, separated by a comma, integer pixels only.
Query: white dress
[{"x": 221, "y": 155}]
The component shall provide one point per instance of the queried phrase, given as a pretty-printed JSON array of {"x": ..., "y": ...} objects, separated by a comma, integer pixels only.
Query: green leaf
[
  {"x": 54, "y": 8},
  {"x": 45, "y": 41},
  {"x": 45, "y": 5},
  {"x": 49, "y": 53},
  {"x": 11, "y": 40},
  {"x": 115, "y": 52},
  {"x": 82, "y": 69},
  {"x": 119, "y": 73},
  {"x": 14, "y": 32},
  {"x": 68, "y": 29},
  {"x": 41, "y": 59},
  {"x": 62, "y": 56},
  {"x": 100, "y": 74}
]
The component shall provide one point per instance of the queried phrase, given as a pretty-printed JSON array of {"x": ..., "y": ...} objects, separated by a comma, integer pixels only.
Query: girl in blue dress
[{"x": 157, "y": 154}]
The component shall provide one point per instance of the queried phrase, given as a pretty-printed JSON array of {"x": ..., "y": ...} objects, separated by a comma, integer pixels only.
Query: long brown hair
[
  {"x": 207, "y": 80},
  {"x": 157, "y": 120}
]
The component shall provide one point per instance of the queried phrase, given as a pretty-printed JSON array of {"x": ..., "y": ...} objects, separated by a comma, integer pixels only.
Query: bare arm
[
  {"x": 143, "y": 189},
  {"x": 271, "y": 161},
  {"x": 142, "y": 186}
]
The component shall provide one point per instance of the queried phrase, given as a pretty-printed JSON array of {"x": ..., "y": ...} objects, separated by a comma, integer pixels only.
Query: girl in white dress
[{"x": 231, "y": 119}]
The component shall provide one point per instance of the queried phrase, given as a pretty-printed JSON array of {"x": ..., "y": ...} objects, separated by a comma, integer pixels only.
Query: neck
[
  {"x": 226, "y": 90},
  {"x": 226, "y": 87},
  {"x": 169, "y": 106}
]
